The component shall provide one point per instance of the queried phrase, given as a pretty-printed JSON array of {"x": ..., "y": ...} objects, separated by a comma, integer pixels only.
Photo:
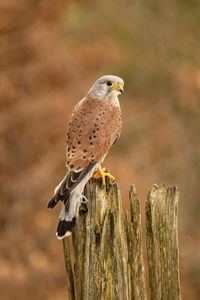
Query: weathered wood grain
[
  {"x": 162, "y": 242},
  {"x": 134, "y": 245},
  {"x": 69, "y": 272},
  {"x": 107, "y": 247},
  {"x": 100, "y": 247}
]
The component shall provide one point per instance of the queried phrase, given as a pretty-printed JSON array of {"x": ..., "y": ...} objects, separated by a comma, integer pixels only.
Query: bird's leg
[{"x": 102, "y": 173}]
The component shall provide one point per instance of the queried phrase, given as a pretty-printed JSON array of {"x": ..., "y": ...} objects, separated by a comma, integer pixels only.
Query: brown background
[{"x": 50, "y": 54}]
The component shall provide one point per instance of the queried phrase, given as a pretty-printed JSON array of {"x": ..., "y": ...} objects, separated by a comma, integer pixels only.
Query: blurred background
[{"x": 51, "y": 52}]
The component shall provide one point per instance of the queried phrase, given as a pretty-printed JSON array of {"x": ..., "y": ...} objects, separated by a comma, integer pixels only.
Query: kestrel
[{"x": 94, "y": 126}]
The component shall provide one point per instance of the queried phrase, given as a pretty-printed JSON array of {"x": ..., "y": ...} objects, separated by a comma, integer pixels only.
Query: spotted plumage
[
  {"x": 94, "y": 126},
  {"x": 89, "y": 133}
]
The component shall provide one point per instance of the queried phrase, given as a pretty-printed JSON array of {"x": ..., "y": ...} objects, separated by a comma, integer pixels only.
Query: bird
[{"x": 94, "y": 126}]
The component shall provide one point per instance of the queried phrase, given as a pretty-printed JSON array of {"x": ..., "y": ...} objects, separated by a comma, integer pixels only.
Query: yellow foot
[{"x": 102, "y": 173}]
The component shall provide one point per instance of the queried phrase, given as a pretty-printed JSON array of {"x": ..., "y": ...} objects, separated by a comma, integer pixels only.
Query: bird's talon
[
  {"x": 103, "y": 173},
  {"x": 109, "y": 176}
]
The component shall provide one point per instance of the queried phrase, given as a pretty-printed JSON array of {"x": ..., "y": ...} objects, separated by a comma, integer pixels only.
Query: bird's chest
[{"x": 113, "y": 124}]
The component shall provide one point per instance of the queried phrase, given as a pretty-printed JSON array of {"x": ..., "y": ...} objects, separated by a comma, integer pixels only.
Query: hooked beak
[{"x": 119, "y": 88}]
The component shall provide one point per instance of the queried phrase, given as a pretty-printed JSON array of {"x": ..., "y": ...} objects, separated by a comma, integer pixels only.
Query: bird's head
[{"x": 106, "y": 87}]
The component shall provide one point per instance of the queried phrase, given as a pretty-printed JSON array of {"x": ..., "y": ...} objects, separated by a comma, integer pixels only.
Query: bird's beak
[{"x": 119, "y": 88}]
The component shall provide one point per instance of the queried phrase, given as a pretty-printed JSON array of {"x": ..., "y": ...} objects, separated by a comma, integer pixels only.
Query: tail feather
[
  {"x": 54, "y": 201},
  {"x": 68, "y": 184},
  {"x": 65, "y": 228},
  {"x": 70, "y": 192}
]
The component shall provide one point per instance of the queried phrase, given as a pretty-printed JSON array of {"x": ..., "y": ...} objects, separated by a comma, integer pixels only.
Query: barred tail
[
  {"x": 68, "y": 214},
  {"x": 69, "y": 191}
]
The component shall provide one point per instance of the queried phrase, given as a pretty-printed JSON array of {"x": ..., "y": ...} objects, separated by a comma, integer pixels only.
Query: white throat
[{"x": 113, "y": 99}]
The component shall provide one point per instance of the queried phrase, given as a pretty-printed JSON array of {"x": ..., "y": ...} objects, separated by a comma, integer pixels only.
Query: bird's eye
[{"x": 110, "y": 83}]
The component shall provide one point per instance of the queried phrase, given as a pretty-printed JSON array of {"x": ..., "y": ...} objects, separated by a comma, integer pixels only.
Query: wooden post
[
  {"x": 69, "y": 272},
  {"x": 162, "y": 242},
  {"x": 100, "y": 247},
  {"x": 134, "y": 243},
  {"x": 107, "y": 248}
]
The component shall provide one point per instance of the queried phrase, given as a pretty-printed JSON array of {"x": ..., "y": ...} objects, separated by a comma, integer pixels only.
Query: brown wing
[{"x": 93, "y": 127}]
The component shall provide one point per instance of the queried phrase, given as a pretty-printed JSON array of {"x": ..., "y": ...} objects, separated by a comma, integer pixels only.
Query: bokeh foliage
[{"x": 50, "y": 54}]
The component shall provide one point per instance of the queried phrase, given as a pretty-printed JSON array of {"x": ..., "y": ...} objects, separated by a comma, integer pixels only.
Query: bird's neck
[{"x": 113, "y": 99}]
